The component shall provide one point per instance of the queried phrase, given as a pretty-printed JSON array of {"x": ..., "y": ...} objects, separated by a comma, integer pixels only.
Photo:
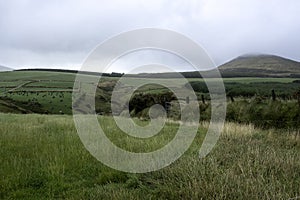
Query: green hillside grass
[
  {"x": 42, "y": 157},
  {"x": 48, "y": 92},
  {"x": 36, "y": 75}
]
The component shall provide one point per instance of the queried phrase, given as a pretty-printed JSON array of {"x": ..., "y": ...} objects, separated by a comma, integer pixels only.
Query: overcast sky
[{"x": 61, "y": 33}]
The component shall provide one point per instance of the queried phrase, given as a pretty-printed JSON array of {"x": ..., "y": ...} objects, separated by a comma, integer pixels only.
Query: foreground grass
[{"x": 43, "y": 158}]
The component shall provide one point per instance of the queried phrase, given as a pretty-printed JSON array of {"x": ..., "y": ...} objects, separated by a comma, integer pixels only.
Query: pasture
[
  {"x": 42, "y": 157},
  {"x": 51, "y": 92}
]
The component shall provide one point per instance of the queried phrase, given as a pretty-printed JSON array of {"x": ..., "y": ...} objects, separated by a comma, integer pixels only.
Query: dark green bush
[{"x": 141, "y": 101}]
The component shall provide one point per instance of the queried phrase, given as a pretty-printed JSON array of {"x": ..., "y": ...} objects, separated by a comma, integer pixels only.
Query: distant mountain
[
  {"x": 2, "y": 69},
  {"x": 260, "y": 66}
]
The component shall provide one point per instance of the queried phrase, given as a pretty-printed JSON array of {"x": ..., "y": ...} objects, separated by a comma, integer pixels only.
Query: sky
[{"x": 62, "y": 33}]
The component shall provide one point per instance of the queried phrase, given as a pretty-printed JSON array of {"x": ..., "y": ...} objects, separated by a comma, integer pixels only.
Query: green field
[
  {"x": 36, "y": 75},
  {"x": 51, "y": 91},
  {"x": 48, "y": 92},
  {"x": 42, "y": 157},
  {"x": 251, "y": 80}
]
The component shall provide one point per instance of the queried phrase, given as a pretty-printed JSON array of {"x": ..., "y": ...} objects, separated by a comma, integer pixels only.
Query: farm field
[
  {"x": 50, "y": 92},
  {"x": 38, "y": 91},
  {"x": 42, "y": 157},
  {"x": 249, "y": 99}
]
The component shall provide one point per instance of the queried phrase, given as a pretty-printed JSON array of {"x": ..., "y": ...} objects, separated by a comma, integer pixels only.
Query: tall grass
[
  {"x": 265, "y": 114},
  {"x": 43, "y": 158}
]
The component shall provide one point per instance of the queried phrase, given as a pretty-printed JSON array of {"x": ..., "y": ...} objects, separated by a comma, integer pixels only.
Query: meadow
[
  {"x": 42, "y": 157},
  {"x": 47, "y": 92}
]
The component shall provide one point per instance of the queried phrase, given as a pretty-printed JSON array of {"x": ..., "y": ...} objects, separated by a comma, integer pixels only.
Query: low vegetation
[
  {"x": 42, "y": 157},
  {"x": 249, "y": 99}
]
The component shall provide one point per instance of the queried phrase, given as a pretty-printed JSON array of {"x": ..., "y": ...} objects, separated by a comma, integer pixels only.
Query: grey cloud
[{"x": 57, "y": 33}]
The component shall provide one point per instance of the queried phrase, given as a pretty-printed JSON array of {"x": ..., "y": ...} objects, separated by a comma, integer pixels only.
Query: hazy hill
[
  {"x": 2, "y": 69},
  {"x": 260, "y": 66},
  {"x": 242, "y": 66},
  {"x": 246, "y": 66}
]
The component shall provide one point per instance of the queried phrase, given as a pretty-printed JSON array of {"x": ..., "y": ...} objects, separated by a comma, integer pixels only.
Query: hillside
[
  {"x": 243, "y": 66},
  {"x": 3, "y": 69},
  {"x": 260, "y": 66}
]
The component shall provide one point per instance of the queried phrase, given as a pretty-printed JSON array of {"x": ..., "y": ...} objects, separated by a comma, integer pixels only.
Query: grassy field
[
  {"x": 36, "y": 75},
  {"x": 50, "y": 92},
  {"x": 252, "y": 80},
  {"x": 42, "y": 157}
]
